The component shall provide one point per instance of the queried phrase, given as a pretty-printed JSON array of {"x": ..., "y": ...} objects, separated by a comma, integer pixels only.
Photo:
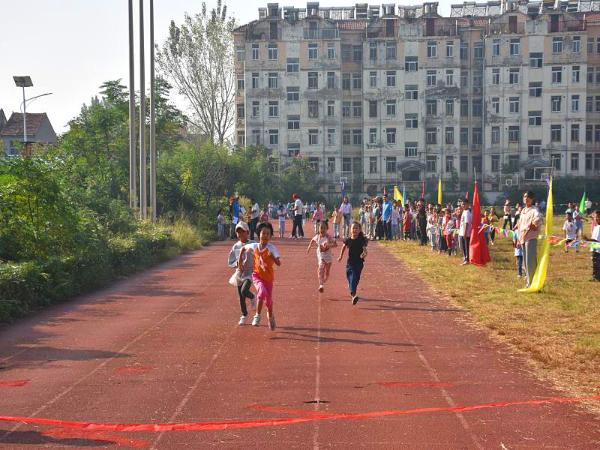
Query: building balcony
[
  {"x": 325, "y": 33},
  {"x": 505, "y": 28}
]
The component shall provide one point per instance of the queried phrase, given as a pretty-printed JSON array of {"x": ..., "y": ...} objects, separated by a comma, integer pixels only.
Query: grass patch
[{"x": 557, "y": 329}]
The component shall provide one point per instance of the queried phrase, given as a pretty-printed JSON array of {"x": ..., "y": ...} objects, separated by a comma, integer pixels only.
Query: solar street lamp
[{"x": 23, "y": 82}]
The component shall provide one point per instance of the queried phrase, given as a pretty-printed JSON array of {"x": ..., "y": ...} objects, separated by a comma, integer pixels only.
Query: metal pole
[
  {"x": 24, "y": 121},
  {"x": 152, "y": 119},
  {"x": 133, "y": 203},
  {"x": 143, "y": 193}
]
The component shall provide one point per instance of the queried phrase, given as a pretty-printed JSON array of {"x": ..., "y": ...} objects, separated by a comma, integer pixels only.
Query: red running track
[{"x": 158, "y": 361}]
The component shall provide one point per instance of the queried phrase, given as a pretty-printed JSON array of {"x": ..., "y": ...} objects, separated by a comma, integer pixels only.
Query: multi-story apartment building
[{"x": 381, "y": 95}]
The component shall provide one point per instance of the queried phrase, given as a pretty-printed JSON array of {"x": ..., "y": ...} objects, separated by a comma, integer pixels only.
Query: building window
[
  {"x": 477, "y": 136},
  {"x": 240, "y": 84},
  {"x": 513, "y": 133},
  {"x": 575, "y": 103},
  {"x": 431, "y": 107},
  {"x": 536, "y": 60},
  {"x": 431, "y": 136},
  {"x": 496, "y": 47},
  {"x": 273, "y": 53},
  {"x": 357, "y": 53},
  {"x": 411, "y": 92},
  {"x": 256, "y": 137},
  {"x": 555, "y": 133},
  {"x": 331, "y": 50},
  {"x": 390, "y": 135},
  {"x": 449, "y": 135},
  {"x": 515, "y": 47},
  {"x": 513, "y": 104},
  {"x": 357, "y": 137},
  {"x": 574, "y": 162},
  {"x": 431, "y": 78},
  {"x": 588, "y": 161},
  {"x": 575, "y": 74},
  {"x": 496, "y": 76},
  {"x": 496, "y": 105},
  {"x": 372, "y": 108},
  {"x": 274, "y": 108},
  {"x": 597, "y": 103},
  {"x": 391, "y": 78},
  {"x": 464, "y": 51},
  {"x": 464, "y": 78},
  {"x": 255, "y": 109},
  {"x": 241, "y": 139},
  {"x": 477, "y": 108},
  {"x": 331, "y": 136},
  {"x": 356, "y": 81},
  {"x": 575, "y": 132},
  {"x": 313, "y": 80},
  {"x": 373, "y": 51},
  {"x": 255, "y": 49},
  {"x": 346, "y": 106},
  {"x": 576, "y": 44},
  {"x": 556, "y": 161},
  {"x": 411, "y": 121},
  {"x": 330, "y": 108},
  {"x": 346, "y": 81},
  {"x": 555, "y": 102},
  {"x": 557, "y": 45},
  {"x": 372, "y": 135},
  {"x": 449, "y": 77},
  {"x": 390, "y": 107},
  {"x": 534, "y": 148},
  {"x": 449, "y": 163},
  {"x": 330, "y": 165},
  {"x": 313, "y": 51},
  {"x": 241, "y": 110},
  {"x": 274, "y": 137},
  {"x": 411, "y": 64},
  {"x": 590, "y": 74},
  {"x": 478, "y": 50},
  {"x": 330, "y": 80},
  {"x": 464, "y": 108},
  {"x": 373, "y": 79},
  {"x": 390, "y": 51},
  {"x": 449, "y": 107},
  {"x": 293, "y": 122},
  {"x": 513, "y": 76},
  {"x": 449, "y": 49},
  {"x": 410, "y": 149},
  {"x": 347, "y": 165},
  {"x": 535, "y": 118},
  {"x": 464, "y": 136},
  {"x": 346, "y": 137},
  {"x": 589, "y": 134},
  {"x": 495, "y": 163},
  {"x": 313, "y": 162},
  {"x": 535, "y": 89},
  {"x": 431, "y": 164},
  {"x": 495, "y": 135},
  {"x": 293, "y": 94},
  {"x": 357, "y": 109},
  {"x": 313, "y": 109},
  {"x": 557, "y": 75},
  {"x": 432, "y": 49},
  {"x": 255, "y": 80},
  {"x": 273, "y": 80},
  {"x": 313, "y": 137},
  {"x": 464, "y": 164},
  {"x": 390, "y": 164},
  {"x": 373, "y": 164}
]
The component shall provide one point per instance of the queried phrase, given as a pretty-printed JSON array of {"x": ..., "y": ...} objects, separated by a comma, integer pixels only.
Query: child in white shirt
[
  {"x": 570, "y": 229},
  {"x": 324, "y": 244}
]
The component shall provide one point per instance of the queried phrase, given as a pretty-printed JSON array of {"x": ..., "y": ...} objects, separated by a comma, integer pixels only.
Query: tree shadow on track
[
  {"x": 36, "y": 356},
  {"x": 37, "y": 438},
  {"x": 328, "y": 330},
  {"x": 367, "y": 300},
  {"x": 403, "y": 308},
  {"x": 292, "y": 336}
]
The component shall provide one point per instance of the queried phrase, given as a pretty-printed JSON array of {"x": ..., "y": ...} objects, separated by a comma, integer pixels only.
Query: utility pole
[
  {"x": 143, "y": 156},
  {"x": 133, "y": 203},
  {"x": 152, "y": 118}
]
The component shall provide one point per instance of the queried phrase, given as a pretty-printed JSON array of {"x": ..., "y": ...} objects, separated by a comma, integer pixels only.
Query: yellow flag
[
  {"x": 398, "y": 195},
  {"x": 440, "y": 191},
  {"x": 539, "y": 278}
]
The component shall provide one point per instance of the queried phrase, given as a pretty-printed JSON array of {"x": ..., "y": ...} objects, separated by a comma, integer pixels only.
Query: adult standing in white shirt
[
  {"x": 530, "y": 223},
  {"x": 464, "y": 231},
  {"x": 298, "y": 209},
  {"x": 346, "y": 210},
  {"x": 254, "y": 215}
]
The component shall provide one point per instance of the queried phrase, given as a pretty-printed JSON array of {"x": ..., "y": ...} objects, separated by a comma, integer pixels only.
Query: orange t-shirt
[{"x": 264, "y": 260}]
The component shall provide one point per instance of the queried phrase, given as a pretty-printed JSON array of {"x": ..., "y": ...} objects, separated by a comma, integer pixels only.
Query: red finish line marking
[
  {"x": 13, "y": 383},
  {"x": 232, "y": 424}
]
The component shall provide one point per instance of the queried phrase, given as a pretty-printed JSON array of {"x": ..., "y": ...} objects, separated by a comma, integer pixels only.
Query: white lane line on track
[{"x": 317, "y": 375}]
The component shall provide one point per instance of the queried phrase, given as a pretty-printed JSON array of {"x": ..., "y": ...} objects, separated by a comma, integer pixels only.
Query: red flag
[
  {"x": 423, "y": 190},
  {"x": 479, "y": 253},
  {"x": 385, "y": 191},
  {"x": 467, "y": 195}
]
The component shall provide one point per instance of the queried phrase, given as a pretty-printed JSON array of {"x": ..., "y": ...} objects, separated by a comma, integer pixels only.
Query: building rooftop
[{"x": 14, "y": 125}]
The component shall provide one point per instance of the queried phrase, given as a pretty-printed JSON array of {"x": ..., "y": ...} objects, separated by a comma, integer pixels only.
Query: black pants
[
  {"x": 464, "y": 243},
  {"x": 387, "y": 226},
  {"x": 596, "y": 266},
  {"x": 379, "y": 230},
  {"x": 297, "y": 230},
  {"x": 507, "y": 221},
  {"x": 423, "y": 232},
  {"x": 244, "y": 292},
  {"x": 252, "y": 226}
]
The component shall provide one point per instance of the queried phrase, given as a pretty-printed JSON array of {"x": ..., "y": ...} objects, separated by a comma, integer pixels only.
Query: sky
[{"x": 70, "y": 47}]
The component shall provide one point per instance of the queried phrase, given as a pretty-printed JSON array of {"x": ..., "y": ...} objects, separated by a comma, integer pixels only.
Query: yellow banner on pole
[
  {"x": 398, "y": 195},
  {"x": 440, "y": 191}
]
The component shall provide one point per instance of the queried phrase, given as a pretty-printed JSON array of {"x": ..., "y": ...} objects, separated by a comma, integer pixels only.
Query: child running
[
  {"x": 242, "y": 276},
  {"x": 324, "y": 244},
  {"x": 263, "y": 275},
  {"x": 357, "y": 252}
]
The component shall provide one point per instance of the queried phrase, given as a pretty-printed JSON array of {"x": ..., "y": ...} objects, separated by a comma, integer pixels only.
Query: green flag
[{"x": 582, "y": 204}]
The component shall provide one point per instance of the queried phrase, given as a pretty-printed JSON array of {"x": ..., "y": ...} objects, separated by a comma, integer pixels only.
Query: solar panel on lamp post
[{"x": 23, "y": 81}]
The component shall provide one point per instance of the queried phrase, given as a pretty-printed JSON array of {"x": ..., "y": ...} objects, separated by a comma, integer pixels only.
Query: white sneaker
[
  {"x": 271, "y": 321},
  {"x": 256, "y": 320},
  {"x": 242, "y": 320}
]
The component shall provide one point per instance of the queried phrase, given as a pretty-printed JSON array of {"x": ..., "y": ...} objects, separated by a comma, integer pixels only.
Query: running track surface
[{"x": 402, "y": 369}]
